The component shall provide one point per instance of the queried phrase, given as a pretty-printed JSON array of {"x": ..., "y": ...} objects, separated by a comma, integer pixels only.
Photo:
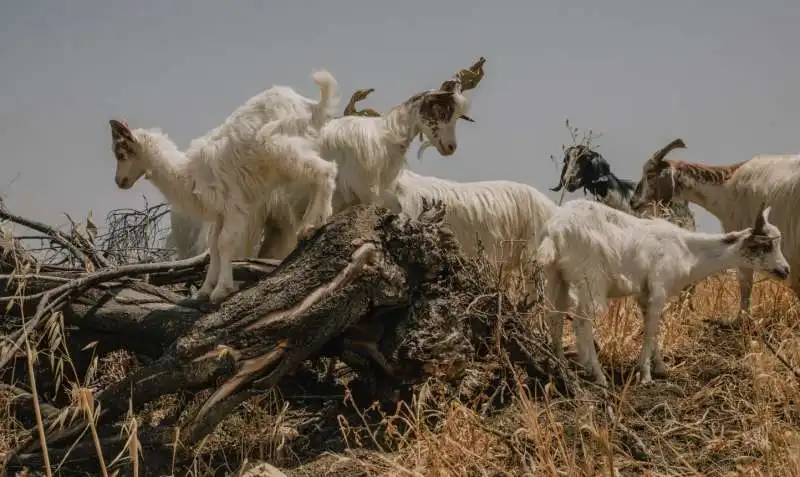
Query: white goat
[
  {"x": 492, "y": 212},
  {"x": 591, "y": 253},
  {"x": 371, "y": 151},
  {"x": 733, "y": 194},
  {"x": 189, "y": 235},
  {"x": 227, "y": 176}
]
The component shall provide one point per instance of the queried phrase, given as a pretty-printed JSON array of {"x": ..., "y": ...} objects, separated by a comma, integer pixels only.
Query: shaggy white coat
[
  {"x": 502, "y": 215},
  {"x": 591, "y": 253},
  {"x": 228, "y": 176},
  {"x": 282, "y": 111}
]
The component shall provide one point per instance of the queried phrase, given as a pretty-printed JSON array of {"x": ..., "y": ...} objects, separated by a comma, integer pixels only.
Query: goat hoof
[
  {"x": 220, "y": 294},
  {"x": 203, "y": 294},
  {"x": 646, "y": 381},
  {"x": 306, "y": 232}
]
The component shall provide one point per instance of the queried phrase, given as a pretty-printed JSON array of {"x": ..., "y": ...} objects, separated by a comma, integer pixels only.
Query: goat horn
[
  {"x": 674, "y": 144},
  {"x": 760, "y": 222}
]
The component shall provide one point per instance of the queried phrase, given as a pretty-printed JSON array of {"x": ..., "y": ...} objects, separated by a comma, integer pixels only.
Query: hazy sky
[{"x": 722, "y": 75}]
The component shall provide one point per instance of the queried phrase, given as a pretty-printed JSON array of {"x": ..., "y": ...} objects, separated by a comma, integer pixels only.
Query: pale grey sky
[{"x": 719, "y": 73}]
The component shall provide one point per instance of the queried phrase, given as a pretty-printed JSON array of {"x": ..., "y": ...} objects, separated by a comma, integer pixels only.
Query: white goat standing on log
[
  {"x": 733, "y": 193},
  {"x": 592, "y": 253},
  {"x": 228, "y": 175},
  {"x": 281, "y": 216},
  {"x": 371, "y": 151}
]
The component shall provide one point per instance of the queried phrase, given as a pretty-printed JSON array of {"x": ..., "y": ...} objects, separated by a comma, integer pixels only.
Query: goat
[
  {"x": 732, "y": 193},
  {"x": 370, "y": 151},
  {"x": 592, "y": 172},
  {"x": 465, "y": 78},
  {"x": 489, "y": 212},
  {"x": 188, "y": 235},
  {"x": 228, "y": 175},
  {"x": 591, "y": 253}
]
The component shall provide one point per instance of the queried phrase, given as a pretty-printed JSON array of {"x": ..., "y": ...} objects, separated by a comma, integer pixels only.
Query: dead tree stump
[{"x": 390, "y": 295}]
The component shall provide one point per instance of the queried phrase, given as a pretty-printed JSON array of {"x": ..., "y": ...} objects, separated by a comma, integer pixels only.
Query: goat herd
[{"x": 281, "y": 164}]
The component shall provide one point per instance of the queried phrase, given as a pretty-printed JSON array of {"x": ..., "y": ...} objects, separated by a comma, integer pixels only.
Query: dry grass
[{"x": 729, "y": 407}]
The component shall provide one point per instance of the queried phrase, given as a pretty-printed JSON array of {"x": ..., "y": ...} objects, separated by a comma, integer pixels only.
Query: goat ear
[{"x": 119, "y": 129}]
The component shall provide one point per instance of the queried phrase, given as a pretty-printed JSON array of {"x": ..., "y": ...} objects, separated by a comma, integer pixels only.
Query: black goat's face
[{"x": 589, "y": 170}]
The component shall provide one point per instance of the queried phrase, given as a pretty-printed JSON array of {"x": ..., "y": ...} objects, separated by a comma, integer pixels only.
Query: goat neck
[
  {"x": 705, "y": 185},
  {"x": 401, "y": 123},
  {"x": 711, "y": 252},
  {"x": 168, "y": 168}
]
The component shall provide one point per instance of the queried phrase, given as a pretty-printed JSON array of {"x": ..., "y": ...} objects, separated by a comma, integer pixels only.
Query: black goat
[{"x": 592, "y": 172}]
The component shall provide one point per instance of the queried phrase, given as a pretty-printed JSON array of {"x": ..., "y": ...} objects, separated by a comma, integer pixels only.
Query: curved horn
[
  {"x": 662, "y": 153},
  {"x": 470, "y": 77},
  {"x": 760, "y": 222}
]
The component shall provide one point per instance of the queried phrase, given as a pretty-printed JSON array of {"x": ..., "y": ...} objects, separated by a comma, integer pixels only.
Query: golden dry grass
[{"x": 729, "y": 407}]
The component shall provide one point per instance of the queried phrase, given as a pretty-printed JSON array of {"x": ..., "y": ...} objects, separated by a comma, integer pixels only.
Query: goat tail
[
  {"x": 546, "y": 252},
  {"x": 328, "y": 96}
]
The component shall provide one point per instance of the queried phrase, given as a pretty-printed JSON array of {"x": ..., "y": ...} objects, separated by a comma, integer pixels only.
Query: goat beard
[{"x": 424, "y": 145}]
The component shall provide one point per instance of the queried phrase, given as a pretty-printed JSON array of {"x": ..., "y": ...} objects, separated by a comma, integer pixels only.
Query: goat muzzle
[{"x": 781, "y": 272}]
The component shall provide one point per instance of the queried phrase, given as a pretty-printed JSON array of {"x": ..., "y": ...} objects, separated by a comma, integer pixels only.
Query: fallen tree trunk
[{"x": 391, "y": 296}]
